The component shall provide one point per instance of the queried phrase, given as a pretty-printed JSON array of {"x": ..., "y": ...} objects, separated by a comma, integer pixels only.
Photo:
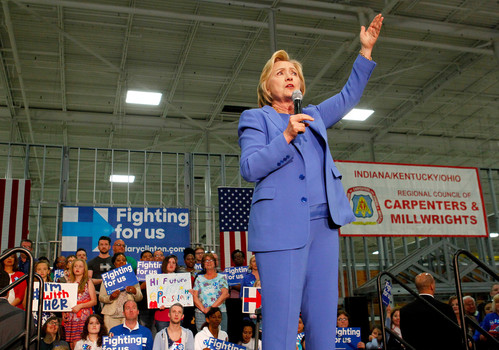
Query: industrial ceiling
[{"x": 65, "y": 67}]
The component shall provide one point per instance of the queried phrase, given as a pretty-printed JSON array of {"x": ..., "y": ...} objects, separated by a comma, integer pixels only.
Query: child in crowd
[
  {"x": 375, "y": 339},
  {"x": 248, "y": 340}
]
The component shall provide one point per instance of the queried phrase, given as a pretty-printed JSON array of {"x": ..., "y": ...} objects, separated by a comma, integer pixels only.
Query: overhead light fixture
[
  {"x": 376, "y": 252},
  {"x": 358, "y": 114},
  {"x": 143, "y": 98},
  {"x": 494, "y": 235},
  {"x": 122, "y": 178}
]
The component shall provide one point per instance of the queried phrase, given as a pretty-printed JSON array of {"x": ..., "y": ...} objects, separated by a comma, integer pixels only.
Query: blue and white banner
[
  {"x": 165, "y": 229},
  {"x": 347, "y": 338},
  {"x": 145, "y": 268},
  {"x": 235, "y": 275},
  {"x": 124, "y": 342},
  {"x": 119, "y": 278},
  {"x": 217, "y": 344},
  {"x": 386, "y": 297}
]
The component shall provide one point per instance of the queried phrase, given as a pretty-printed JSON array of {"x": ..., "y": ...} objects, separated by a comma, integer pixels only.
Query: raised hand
[{"x": 369, "y": 36}]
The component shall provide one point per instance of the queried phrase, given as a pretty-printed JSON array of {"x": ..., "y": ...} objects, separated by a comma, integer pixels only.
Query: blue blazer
[{"x": 280, "y": 213}]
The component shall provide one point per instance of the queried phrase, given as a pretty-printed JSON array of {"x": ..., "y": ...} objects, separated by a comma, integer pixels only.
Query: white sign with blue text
[
  {"x": 58, "y": 297},
  {"x": 119, "y": 278},
  {"x": 165, "y": 229}
]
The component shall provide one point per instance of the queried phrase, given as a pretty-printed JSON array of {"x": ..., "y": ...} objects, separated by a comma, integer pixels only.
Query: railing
[
  {"x": 28, "y": 316},
  {"x": 465, "y": 319}
]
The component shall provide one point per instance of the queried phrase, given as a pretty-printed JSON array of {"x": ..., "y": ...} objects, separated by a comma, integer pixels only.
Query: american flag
[
  {"x": 14, "y": 211},
  {"x": 234, "y": 207}
]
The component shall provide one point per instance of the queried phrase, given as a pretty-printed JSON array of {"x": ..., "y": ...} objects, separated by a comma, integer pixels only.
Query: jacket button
[
  {"x": 302, "y": 177},
  {"x": 304, "y": 199},
  {"x": 287, "y": 157},
  {"x": 279, "y": 164}
]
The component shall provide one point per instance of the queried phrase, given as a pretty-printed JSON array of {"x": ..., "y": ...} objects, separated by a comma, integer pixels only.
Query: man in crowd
[
  {"x": 494, "y": 289},
  {"x": 198, "y": 254},
  {"x": 81, "y": 253},
  {"x": 174, "y": 334},
  {"x": 158, "y": 255},
  {"x": 101, "y": 263},
  {"x": 470, "y": 307},
  {"x": 131, "y": 325},
  {"x": 425, "y": 328},
  {"x": 23, "y": 259},
  {"x": 119, "y": 246}
]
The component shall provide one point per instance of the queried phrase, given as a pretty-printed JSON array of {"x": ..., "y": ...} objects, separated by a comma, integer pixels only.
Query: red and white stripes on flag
[
  {"x": 230, "y": 241},
  {"x": 14, "y": 211}
]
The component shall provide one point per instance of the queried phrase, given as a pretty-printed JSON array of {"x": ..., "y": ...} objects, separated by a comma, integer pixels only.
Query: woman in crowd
[
  {"x": 343, "y": 321},
  {"x": 146, "y": 315},
  {"x": 300, "y": 337},
  {"x": 51, "y": 335},
  {"x": 248, "y": 340},
  {"x": 162, "y": 316},
  {"x": 190, "y": 262},
  {"x": 210, "y": 329},
  {"x": 490, "y": 324},
  {"x": 252, "y": 277},
  {"x": 455, "y": 307},
  {"x": 210, "y": 290},
  {"x": 299, "y": 202},
  {"x": 93, "y": 331},
  {"x": 87, "y": 298},
  {"x": 113, "y": 303},
  {"x": 67, "y": 270},
  {"x": 393, "y": 322},
  {"x": 15, "y": 295}
]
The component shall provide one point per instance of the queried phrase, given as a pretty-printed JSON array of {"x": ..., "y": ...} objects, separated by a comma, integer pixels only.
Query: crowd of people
[{"x": 217, "y": 307}]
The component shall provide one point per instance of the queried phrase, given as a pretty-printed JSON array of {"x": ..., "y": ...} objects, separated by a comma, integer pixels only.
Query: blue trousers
[{"x": 306, "y": 280}]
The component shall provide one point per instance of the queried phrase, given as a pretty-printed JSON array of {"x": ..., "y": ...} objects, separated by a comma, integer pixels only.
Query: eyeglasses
[
  {"x": 119, "y": 244},
  {"x": 53, "y": 323},
  {"x": 208, "y": 260},
  {"x": 342, "y": 319}
]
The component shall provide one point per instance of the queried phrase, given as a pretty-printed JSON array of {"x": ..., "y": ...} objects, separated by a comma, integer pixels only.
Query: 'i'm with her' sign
[{"x": 167, "y": 289}]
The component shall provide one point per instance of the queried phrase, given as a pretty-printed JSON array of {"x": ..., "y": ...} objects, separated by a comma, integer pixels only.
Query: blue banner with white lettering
[
  {"x": 235, "y": 275},
  {"x": 124, "y": 342},
  {"x": 165, "y": 229},
  {"x": 386, "y": 297},
  {"x": 217, "y": 344},
  {"x": 145, "y": 268},
  {"x": 347, "y": 338},
  {"x": 119, "y": 278}
]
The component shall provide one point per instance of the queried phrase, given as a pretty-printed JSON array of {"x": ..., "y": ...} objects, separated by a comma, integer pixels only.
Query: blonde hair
[
  {"x": 84, "y": 278},
  {"x": 264, "y": 97}
]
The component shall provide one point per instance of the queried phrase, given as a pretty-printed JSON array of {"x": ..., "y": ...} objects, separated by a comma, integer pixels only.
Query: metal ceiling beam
[
  {"x": 62, "y": 58},
  {"x": 250, "y": 23},
  {"x": 181, "y": 63}
]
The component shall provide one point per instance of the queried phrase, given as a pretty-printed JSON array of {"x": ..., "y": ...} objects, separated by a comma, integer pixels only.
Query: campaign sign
[
  {"x": 165, "y": 229},
  {"x": 58, "y": 274},
  {"x": 167, "y": 289},
  {"x": 386, "y": 297},
  {"x": 347, "y": 338},
  {"x": 145, "y": 268},
  {"x": 123, "y": 342},
  {"x": 252, "y": 299},
  {"x": 58, "y": 297},
  {"x": 119, "y": 278},
  {"x": 198, "y": 266},
  {"x": 217, "y": 344},
  {"x": 413, "y": 200},
  {"x": 235, "y": 275}
]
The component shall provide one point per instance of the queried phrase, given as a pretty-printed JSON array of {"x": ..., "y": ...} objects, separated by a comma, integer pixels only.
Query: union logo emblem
[{"x": 365, "y": 205}]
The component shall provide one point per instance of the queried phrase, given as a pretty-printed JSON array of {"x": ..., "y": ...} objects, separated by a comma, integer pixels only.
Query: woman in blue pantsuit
[{"x": 299, "y": 201}]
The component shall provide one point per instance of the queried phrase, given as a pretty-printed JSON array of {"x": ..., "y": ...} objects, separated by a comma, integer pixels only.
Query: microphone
[{"x": 297, "y": 97}]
